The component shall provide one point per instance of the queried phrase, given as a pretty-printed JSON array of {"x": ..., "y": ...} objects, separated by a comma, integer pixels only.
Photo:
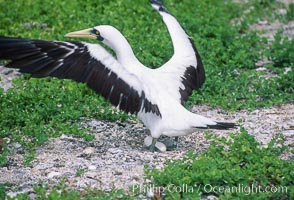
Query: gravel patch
[
  {"x": 6, "y": 77},
  {"x": 268, "y": 29}
]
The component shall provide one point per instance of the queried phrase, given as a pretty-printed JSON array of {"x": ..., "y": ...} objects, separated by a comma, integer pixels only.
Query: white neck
[{"x": 122, "y": 48}]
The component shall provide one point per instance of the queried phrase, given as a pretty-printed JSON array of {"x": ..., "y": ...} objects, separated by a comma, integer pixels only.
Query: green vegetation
[
  {"x": 80, "y": 172},
  {"x": 37, "y": 109},
  {"x": 290, "y": 12},
  {"x": 61, "y": 191},
  {"x": 229, "y": 164}
]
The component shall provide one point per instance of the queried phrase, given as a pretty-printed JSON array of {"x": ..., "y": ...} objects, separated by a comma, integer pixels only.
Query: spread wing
[
  {"x": 184, "y": 71},
  {"x": 82, "y": 62},
  {"x": 181, "y": 76}
]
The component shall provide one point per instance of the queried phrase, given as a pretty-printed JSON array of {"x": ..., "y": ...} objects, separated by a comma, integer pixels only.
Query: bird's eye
[
  {"x": 97, "y": 34},
  {"x": 94, "y": 31}
]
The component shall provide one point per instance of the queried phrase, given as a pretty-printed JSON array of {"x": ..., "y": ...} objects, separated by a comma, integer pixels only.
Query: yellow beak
[{"x": 86, "y": 33}]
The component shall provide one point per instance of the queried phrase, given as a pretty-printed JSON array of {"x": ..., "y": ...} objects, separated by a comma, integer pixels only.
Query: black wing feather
[
  {"x": 72, "y": 60},
  {"x": 194, "y": 77}
]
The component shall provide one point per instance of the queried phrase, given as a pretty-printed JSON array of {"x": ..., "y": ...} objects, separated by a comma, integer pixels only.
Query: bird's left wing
[
  {"x": 81, "y": 62},
  {"x": 184, "y": 72}
]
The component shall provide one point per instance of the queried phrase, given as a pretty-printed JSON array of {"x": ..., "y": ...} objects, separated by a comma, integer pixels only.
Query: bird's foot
[
  {"x": 153, "y": 144},
  {"x": 170, "y": 143},
  {"x": 176, "y": 142},
  {"x": 158, "y": 5}
]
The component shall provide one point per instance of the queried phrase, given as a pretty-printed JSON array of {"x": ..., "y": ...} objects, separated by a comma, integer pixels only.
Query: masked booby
[{"x": 156, "y": 96}]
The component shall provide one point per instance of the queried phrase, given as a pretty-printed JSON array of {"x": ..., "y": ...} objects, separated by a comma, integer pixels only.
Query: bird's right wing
[{"x": 81, "y": 62}]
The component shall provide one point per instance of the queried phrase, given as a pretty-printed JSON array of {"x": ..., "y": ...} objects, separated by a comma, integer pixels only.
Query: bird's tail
[
  {"x": 201, "y": 122},
  {"x": 221, "y": 126}
]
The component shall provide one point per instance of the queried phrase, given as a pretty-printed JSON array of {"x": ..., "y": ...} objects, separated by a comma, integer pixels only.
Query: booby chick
[{"x": 156, "y": 96}]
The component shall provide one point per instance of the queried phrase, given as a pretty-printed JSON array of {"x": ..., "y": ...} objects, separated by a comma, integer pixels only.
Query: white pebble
[
  {"x": 53, "y": 174},
  {"x": 288, "y": 132},
  {"x": 89, "y": 150},
  {"x": 92, "y": 167}
]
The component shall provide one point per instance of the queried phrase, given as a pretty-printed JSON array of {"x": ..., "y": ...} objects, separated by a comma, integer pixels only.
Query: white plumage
[{"x": 155, "y": 95}]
